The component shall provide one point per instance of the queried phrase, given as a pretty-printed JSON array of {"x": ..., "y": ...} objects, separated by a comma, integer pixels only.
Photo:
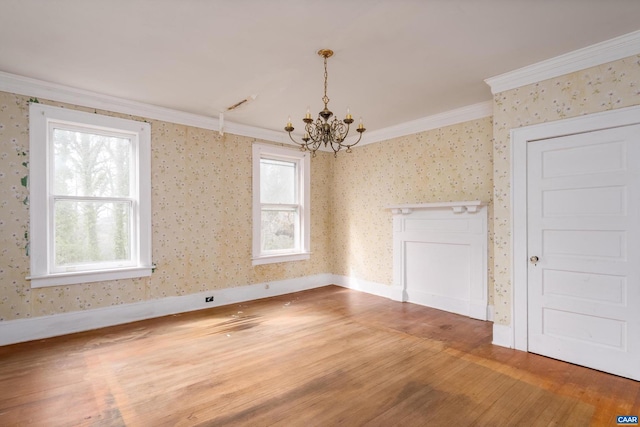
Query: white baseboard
[
  {"x": 21, "y": 330},
  {"x": 502, "y": 336},
  {"x": 396, "y": 293},
  {"x": 374, "y": 288}
]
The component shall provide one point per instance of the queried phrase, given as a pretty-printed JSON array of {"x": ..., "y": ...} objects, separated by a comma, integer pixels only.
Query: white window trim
[
  {"x": 42, "y": 274},
  {"x": 270, "y": 151}
]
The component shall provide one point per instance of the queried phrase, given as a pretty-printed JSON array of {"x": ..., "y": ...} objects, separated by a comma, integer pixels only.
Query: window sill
[
  {"x": 271, "y": 259},
  {"x": 73, "y": 278}
]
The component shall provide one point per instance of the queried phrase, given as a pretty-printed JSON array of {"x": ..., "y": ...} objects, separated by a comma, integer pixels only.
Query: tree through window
[
  {"x": 92, "y": 195},
  {"x": 92, "y": 208}
]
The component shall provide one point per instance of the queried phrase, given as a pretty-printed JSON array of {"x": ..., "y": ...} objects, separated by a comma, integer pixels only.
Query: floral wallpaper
[
  {"x": 605, "y": 87},
  {"x": 453, "y": 163},
  {"x": 201, "y": 214},
  {"x": 201, "y": 196}
]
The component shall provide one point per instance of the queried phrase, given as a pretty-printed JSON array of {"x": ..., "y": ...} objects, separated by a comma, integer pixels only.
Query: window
[
  {"x": 90, "y": 196},
  {"x": 281, "y": 214}
]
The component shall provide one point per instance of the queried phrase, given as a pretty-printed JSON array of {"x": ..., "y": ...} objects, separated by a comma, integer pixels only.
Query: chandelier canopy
[{"x": 322, "y": 131}]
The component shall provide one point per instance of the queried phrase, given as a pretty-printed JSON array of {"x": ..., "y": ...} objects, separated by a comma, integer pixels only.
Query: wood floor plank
[{"x": 328, "y": 356}]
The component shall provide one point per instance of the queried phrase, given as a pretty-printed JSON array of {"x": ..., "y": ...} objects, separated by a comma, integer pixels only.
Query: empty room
[{"x": 292, "y": 213}]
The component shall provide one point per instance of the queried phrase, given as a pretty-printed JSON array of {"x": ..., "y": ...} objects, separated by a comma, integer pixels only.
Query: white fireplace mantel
[
  {"x": 440, "y": 255},
  {"x": 457, "y": 207}
]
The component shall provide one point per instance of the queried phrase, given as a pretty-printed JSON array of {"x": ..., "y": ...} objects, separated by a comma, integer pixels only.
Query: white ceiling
[{"x": 395, "y": 60}]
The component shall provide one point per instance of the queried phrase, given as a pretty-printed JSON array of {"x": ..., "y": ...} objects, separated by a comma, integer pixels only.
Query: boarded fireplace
[{"x": 440, "y": 255}]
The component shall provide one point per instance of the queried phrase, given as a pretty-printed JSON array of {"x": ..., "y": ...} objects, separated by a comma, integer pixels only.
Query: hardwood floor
[{"x": 324, "y": 357}]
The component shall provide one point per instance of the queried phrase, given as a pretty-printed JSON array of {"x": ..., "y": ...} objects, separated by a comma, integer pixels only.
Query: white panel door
[{"x": 583, "y": 214}]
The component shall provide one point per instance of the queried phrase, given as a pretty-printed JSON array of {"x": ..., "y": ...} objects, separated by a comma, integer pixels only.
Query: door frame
[{"x": 520, "y": 137}]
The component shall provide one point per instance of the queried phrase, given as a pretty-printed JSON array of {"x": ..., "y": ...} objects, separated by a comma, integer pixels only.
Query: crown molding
[
  {"x": 20, "y": 85},
  {"x": 590, "y": 56},
  {"x": 452, "y": 117},
  {"x": 26, "y": 86}
]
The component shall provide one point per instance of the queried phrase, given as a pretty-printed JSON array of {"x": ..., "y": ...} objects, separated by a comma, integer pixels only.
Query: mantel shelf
[{"x": 471, "y": 206}]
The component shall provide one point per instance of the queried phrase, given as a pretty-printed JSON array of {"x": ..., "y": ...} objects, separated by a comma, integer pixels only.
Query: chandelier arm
[
  {"x": 313, "y": 146},
  {"x": 303, "y": 146},
  {"x": 334, "y": 143},
  {"x": 314, "y": 130},
  {"x": 340, "y": 131},
  {"x": 351, "y": 145}
]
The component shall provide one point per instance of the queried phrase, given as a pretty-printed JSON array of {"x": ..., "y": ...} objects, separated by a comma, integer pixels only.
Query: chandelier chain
[{"x": 325, "y": 99}]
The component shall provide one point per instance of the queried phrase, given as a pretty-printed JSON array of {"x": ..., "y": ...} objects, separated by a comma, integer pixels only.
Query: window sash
[
  {"x": 130, "y": 231},
  {"x": 294, "y": 209},
  {"x": 54, "y": 197},
  {"x": 292, "y": 188},
  {"x": 295, "y": 248},
  {"x": 132, "y": 139}
]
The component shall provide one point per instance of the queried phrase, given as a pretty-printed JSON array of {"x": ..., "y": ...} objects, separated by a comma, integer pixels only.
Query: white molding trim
[
  {"x": 13, "y": 83},
  {"x": 21, "y": 330},
  {"x": 447, "y": 118},
  {"x": 590, "y": 56},
  {"x": 471, "y": 206},
  {"x": 26, "y": 86},
  {"x": 373, "y": 288},
  {"x": 519, "y": 250},
  {"x": 520, "y": 137},
  {"x": 502, "y": 336}
]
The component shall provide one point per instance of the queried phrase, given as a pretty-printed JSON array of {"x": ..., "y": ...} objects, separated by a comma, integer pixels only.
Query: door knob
[{"x": 534, "y": 260}]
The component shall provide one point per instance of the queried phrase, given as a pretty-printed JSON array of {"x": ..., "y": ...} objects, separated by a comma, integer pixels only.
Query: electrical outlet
[{"x": 208, "y": 299}]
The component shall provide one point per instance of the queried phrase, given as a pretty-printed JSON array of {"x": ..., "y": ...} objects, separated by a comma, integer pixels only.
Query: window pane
[
  {"x": 278, "y": 181},
  {"x": 279, "y": 229},
  {"x": 91, "y": 232},
  {"x": 87, "y": 164}
]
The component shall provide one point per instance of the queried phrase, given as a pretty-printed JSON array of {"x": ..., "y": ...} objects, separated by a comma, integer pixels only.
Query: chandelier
[{"x": 324, "y": 132}]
